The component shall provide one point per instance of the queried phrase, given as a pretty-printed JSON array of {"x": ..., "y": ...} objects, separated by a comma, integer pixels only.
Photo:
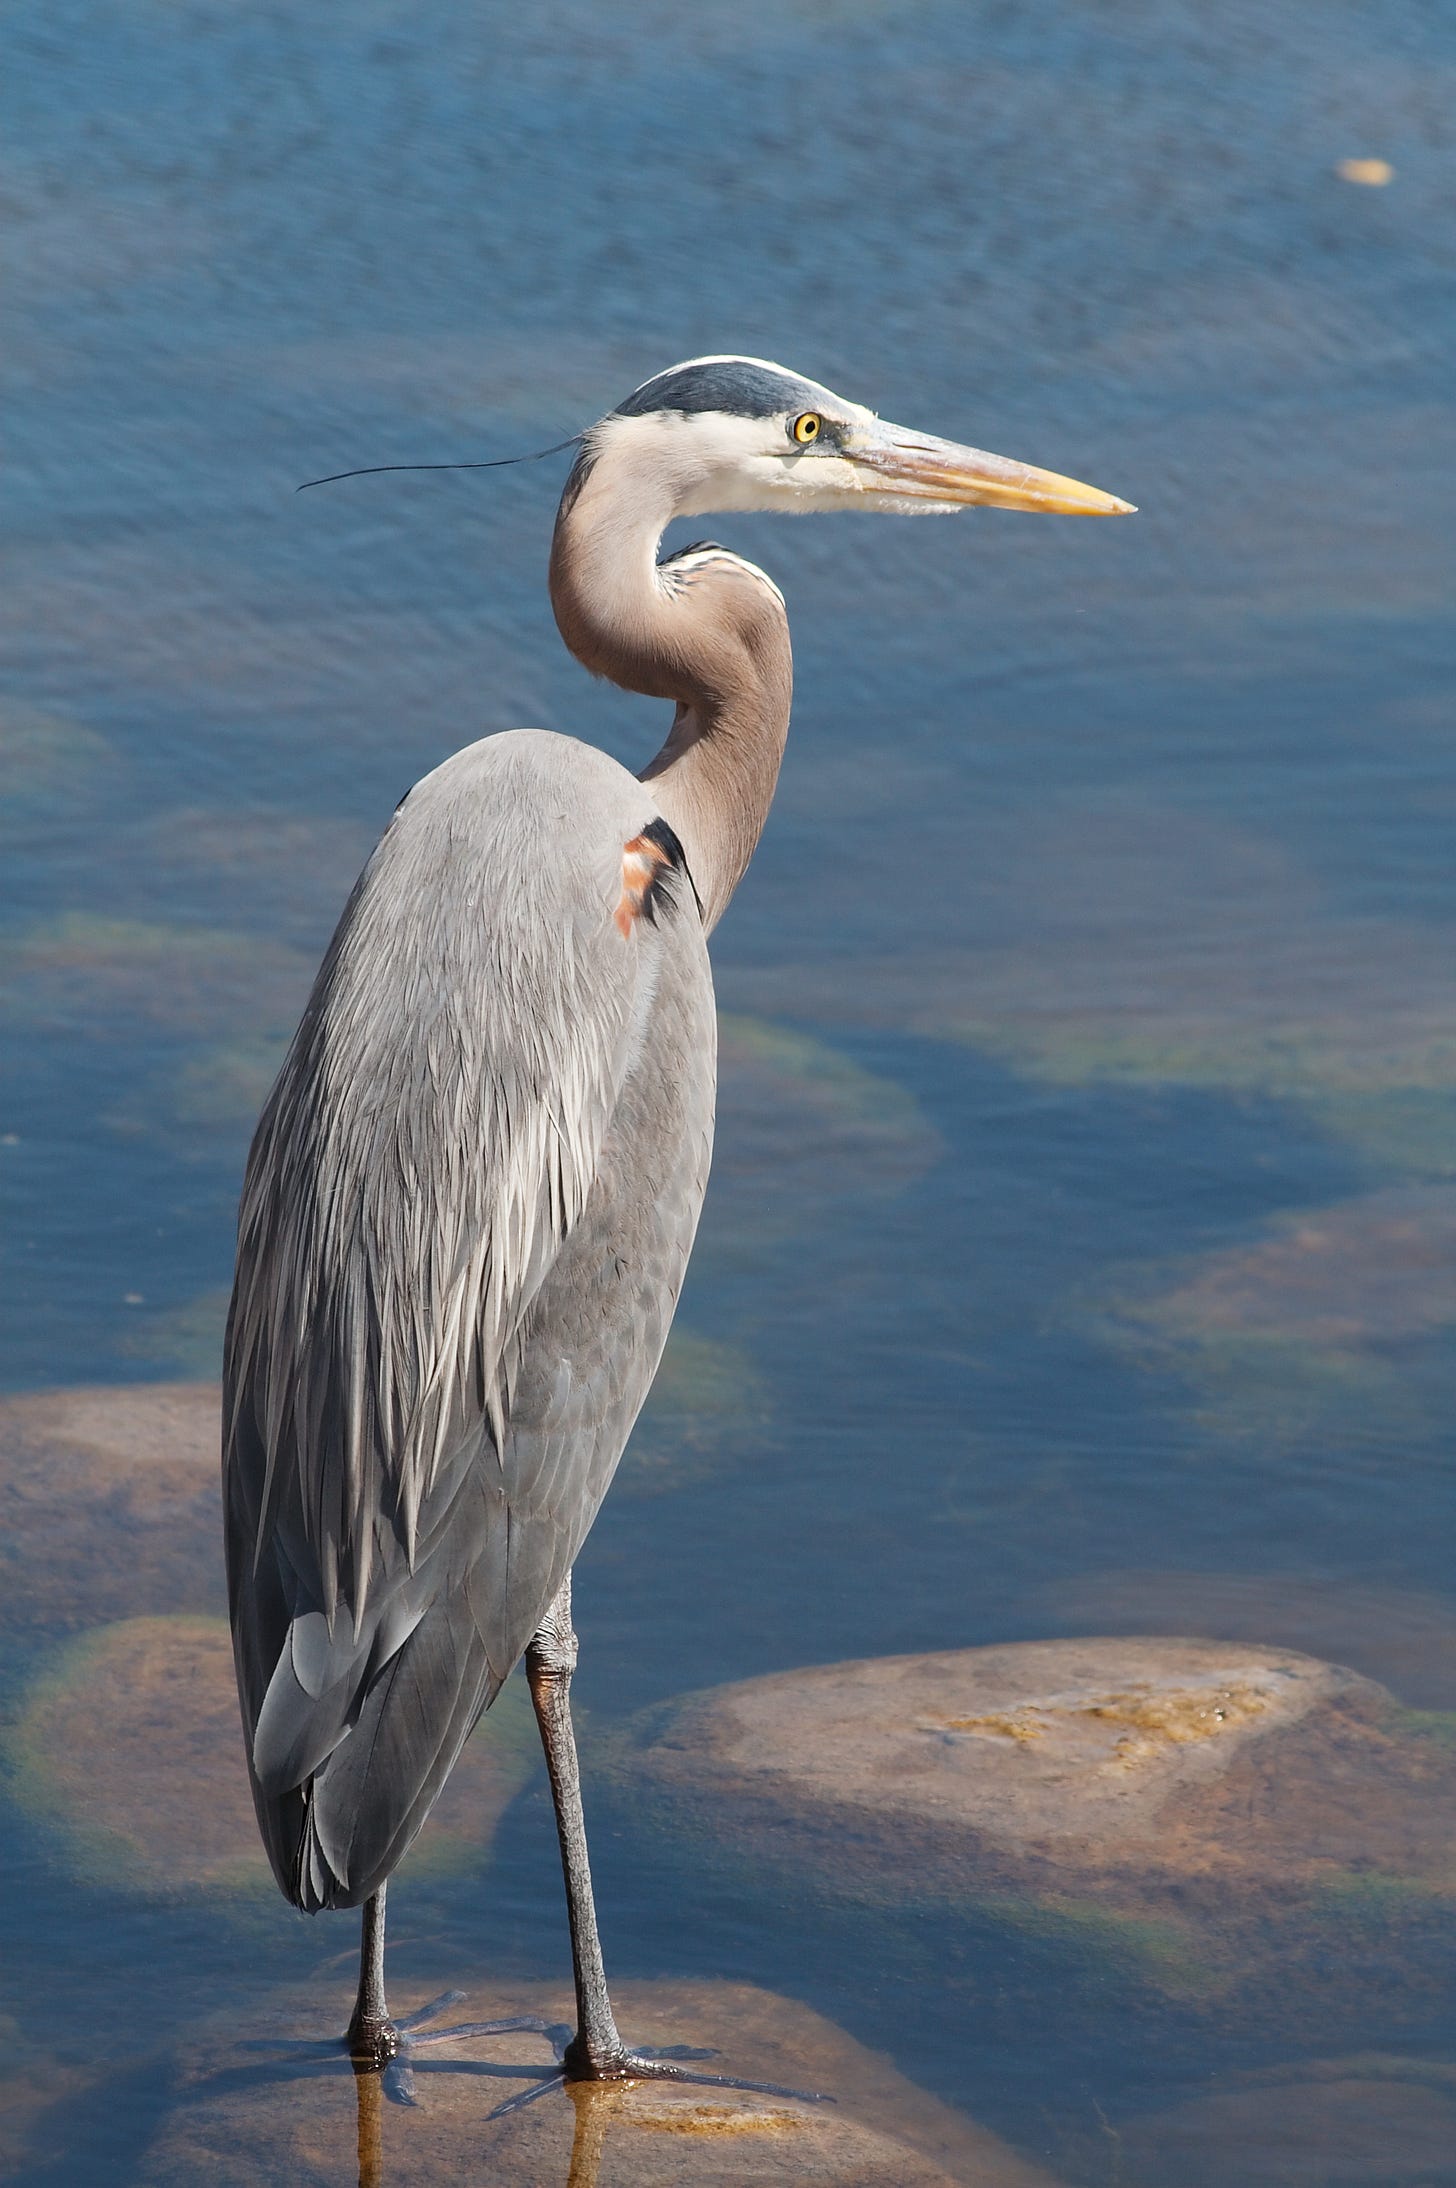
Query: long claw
[
  {"x": 555, "y": 2078},
  {"x": 656, "y": 2066},
  {"x": 660, "y": 2066},
  {"x": 428, "y": 2012},
  {"x": 399, "y": 2081}
]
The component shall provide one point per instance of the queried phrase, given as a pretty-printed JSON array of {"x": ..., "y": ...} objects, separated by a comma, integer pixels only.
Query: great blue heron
[{"x": 473, "y": 1191}]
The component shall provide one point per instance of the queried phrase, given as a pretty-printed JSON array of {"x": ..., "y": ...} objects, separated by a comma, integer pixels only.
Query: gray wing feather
[{"x": 465, "y": 1221}]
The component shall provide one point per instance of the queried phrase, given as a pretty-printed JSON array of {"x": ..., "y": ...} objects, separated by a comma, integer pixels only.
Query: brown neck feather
[{"x": 712, "y": 635}]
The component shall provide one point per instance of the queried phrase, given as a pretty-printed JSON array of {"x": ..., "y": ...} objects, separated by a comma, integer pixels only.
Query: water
[{"x": 1103, "y": 929}]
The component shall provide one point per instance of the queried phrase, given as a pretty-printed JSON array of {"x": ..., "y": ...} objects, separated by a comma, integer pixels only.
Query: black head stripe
[{"x": 735, "y": 385}]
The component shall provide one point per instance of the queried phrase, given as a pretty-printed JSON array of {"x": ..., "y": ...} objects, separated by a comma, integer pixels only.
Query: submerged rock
[
  {"x": 110, "y": 1499},
  {"x": 110, "y": 1503},
  {"x": 98, "y": 979},
  {"x": 1151, "y": 949},
  {"x": 129, "y": 1749},
  {"x": 1344, "y": 2123},
  {"x": 1378, "y": 1270},
  {"x": 235, "y": 2127},
  {"x": 1167, "y": 1801}
]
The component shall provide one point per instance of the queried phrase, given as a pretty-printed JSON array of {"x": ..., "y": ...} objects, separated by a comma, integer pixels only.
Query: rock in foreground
[
  {"x": 324, "y": 2131},
  {"x": 1212, "y": 1786}
]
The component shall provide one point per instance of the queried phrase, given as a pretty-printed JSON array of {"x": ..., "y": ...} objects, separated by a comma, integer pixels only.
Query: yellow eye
[{"x": 806, "y": 428}]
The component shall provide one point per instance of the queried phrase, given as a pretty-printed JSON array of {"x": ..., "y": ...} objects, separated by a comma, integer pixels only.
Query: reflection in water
[
  {"x": 594, "y": 2106},
  {"x": 369, "y": 2086}
]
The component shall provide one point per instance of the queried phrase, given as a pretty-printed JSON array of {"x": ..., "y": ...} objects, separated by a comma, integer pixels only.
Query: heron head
[{"x": 724, "y": 433}]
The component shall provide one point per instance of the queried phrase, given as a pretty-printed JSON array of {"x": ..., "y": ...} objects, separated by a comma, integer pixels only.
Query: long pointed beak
[{"x": 915, "y": 467}]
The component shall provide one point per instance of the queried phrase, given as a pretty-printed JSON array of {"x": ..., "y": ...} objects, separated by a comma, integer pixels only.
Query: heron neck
[{"x": 709, "y": 632}]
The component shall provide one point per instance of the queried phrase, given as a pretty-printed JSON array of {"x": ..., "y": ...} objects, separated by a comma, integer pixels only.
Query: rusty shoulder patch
[{"x": 645, "y": 860}]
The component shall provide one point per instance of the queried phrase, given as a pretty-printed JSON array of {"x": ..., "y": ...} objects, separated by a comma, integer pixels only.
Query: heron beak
[{"x": 916, "y": 467}]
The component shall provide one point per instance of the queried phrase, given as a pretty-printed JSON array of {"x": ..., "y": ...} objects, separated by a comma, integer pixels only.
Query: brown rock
[
  {"x": 130, "y": 1749},
  {"x": 311, "y": 2131},
  {"x": 1146, "y": 1776},
  {"x": 33, "y": 2092},
  {"x": 110, "y": 1503},
  {"x": 1373, "y": 1271}
]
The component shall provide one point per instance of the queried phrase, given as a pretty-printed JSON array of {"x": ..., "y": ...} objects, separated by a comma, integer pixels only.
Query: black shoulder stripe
[{"x": 670, "y": 844}]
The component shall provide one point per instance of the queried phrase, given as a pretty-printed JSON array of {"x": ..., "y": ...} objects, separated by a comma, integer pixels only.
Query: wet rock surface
[
  {"x": 110, "y": 1503},
  {"x": 129, "y": 1750},
  {"x": 233, "y": 2123},
  {"x": 1203, "y": 1790}
]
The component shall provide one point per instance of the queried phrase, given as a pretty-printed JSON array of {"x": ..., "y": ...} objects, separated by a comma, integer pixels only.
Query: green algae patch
[
  {"x": 50, "y": 764},
  {"x": 182, "y": 1340},
  {"x": 128, "y": 1752},
  {"x": 708, "y": 1405},
  {"x": 800, "y": 1127},
  {"x": 97, "y": 976},
  {"x": 1159, "y": 1951},
  {"x": 1436, "y": 1725},
  {"x": 223, "y": 1086},
  {"x": 1381, "y": 1898}
]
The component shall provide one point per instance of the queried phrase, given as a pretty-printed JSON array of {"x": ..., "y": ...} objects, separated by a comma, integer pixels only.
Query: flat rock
[
  {"x": 110, "y": 1503},
  {"x": 1146, "y": 1774},
  {"x": 232, "y": 2126},
  {"x": 129, "y": 1750}
]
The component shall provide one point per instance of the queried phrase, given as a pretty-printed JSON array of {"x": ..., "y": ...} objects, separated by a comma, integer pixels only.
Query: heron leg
[
  {"x": 371, "y": 2036},
  {"x": 596, "y": 2052}
]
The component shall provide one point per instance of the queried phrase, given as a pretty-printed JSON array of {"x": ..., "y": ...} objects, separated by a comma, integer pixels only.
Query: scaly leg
[
  {"x": 371, "y": 2036},
  {"x": 378, "y": 2045},
  {"x": 596, "y": 2053}
]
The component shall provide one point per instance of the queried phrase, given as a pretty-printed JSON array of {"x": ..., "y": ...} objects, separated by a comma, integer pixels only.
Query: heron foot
[
  {"x": 577, "y": 2063},
  {"x": 387, "y": 2048}
]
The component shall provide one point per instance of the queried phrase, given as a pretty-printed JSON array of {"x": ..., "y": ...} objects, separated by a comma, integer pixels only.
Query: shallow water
[{"x": 1101, "y": 942}]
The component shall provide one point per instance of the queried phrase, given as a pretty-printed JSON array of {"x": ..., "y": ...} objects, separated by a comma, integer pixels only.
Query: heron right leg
[{"x": 596, "y": 2052}]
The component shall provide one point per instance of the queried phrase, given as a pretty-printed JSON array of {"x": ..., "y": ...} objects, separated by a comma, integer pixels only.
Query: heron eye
[{"x": 806, "y": 428}]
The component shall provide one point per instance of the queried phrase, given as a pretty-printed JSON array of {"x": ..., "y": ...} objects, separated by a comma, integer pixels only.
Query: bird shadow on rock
[{"x": 235, "y": 2116}]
